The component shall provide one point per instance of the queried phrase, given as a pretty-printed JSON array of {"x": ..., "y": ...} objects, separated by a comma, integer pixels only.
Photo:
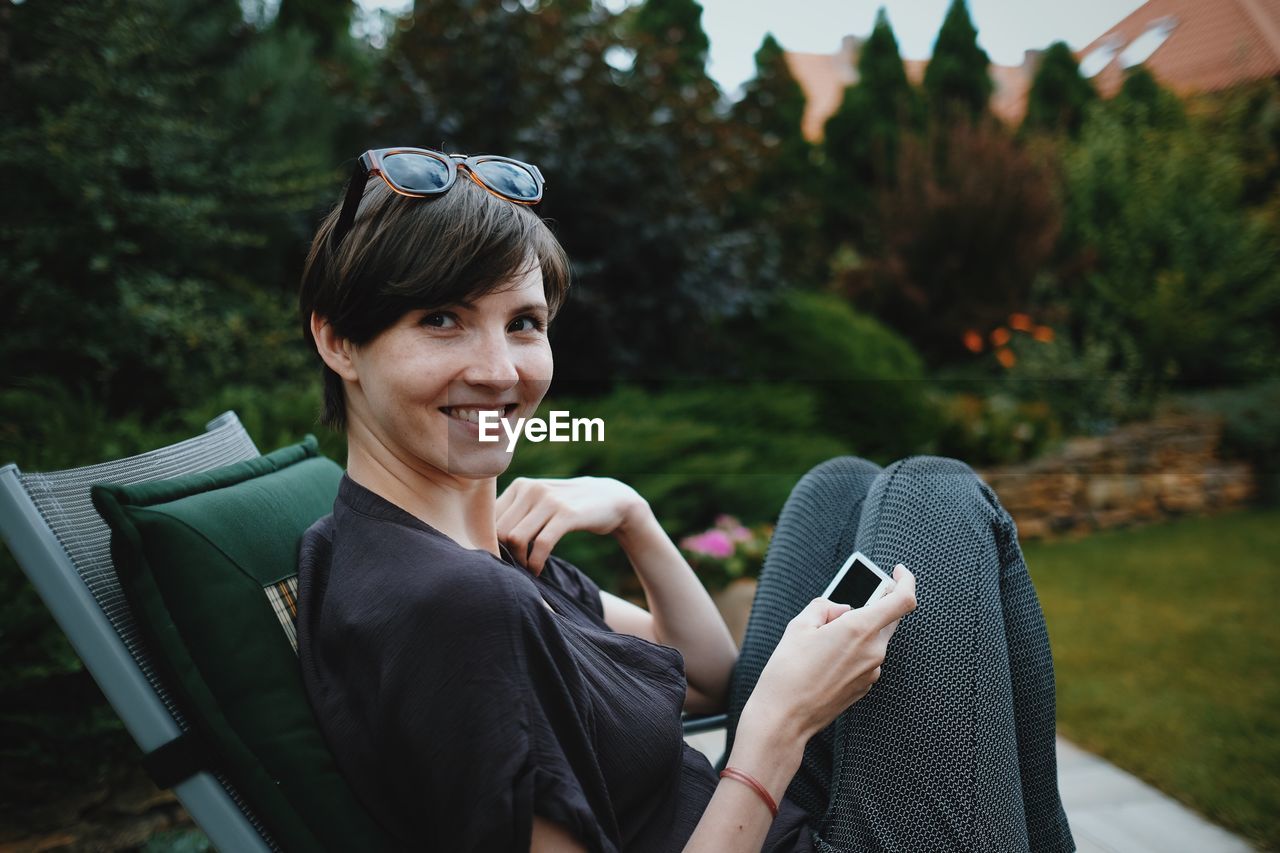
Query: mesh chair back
[{"x": 62, "y": 499}]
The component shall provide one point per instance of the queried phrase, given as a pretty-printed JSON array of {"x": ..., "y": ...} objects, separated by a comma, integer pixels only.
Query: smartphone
[{"x": 859, "y": 582}]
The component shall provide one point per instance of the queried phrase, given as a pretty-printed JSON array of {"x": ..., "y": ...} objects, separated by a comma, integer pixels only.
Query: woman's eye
[
  {"x": 532, "y": 324},
  {"x": 439, "y": 319}
]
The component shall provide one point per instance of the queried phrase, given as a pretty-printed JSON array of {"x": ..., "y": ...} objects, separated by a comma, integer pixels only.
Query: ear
[{"x": 334, "y": 349}]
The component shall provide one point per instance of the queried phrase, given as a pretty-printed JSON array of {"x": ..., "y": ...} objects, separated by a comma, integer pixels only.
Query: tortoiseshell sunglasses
[{"x": 423, "y": 173}]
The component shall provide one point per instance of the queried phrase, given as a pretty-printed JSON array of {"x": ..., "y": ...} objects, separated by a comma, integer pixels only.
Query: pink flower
[
  {"x": 713, "y": 543},
  {"x": 730, "y": 525}
]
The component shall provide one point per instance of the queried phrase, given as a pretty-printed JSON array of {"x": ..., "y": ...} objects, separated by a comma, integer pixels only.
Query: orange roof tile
[
  {"x": 823, "y": 77},
  {"x": 1213, "y": 44}
]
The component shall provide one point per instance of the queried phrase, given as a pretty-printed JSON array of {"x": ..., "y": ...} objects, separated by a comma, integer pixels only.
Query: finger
[
  {"x": 519, "y": 506},
  {"x": 515, "y": 491},
  {"x": 896, "y": 604},
  {"x": 545, "y": 542},
  {"x": 509, "y": 495},
  {"x": 515, "y": 502},
  {"x": 820, "y": 611},
  {"x": 520, "y": 538}
]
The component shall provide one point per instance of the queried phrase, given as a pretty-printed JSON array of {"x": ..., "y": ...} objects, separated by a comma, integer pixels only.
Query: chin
[{"x": 479, "y": 466}]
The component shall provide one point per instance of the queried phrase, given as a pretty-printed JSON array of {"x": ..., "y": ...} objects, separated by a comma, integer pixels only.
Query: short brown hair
[{"x": 403, "y": 254}]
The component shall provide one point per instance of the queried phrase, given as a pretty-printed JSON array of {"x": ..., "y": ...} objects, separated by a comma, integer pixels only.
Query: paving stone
[
  {"x": 1101, "y": 786},
  {"x": 1165, "y": 825},
  {"x": 710, "y": 744}
]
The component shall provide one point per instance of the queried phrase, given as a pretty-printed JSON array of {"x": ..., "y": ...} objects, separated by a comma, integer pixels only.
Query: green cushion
[{"x": 194, "y": 555}]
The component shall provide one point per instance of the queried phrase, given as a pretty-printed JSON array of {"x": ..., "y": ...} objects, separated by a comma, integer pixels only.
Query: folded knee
[
  {"x": 934, "y": 482},
  {"x": 844, "y": 468},
  {"x": 835, "y": 482},
  {"x": 942, "y": 470}
]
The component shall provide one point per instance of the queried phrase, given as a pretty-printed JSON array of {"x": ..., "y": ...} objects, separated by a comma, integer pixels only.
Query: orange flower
[
  {"x": 1043, "y": 334},
  {"x": 1000, "y": 336},
  {"x": 1021, "y": 322},
  {"x": 1006, "y": 357},
  {"x": 972, "y": 341}
]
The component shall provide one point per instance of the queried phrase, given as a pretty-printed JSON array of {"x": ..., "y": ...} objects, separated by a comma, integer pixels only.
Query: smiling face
[{"x": 418, "y": 385}]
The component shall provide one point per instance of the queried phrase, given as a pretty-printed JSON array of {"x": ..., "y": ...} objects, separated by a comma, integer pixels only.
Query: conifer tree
[
  {"x": 956, "y": 79},
  {"x": 861, "y": 136},
  {"x": 1142, "y": 101},
  {"x": 773, "y": 101},
  {"x": 1059, "y": 93},
  {"x": 180, "y": 154},
  {"x": 780, "y": 199},
  {"x": 860, "y": 140},
  {"x": 674, "y": 31},
  {"x": 327, "y": 21}
]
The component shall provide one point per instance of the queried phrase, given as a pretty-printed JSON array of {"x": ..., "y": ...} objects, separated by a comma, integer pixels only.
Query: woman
[{"x": 481, "y": 693}]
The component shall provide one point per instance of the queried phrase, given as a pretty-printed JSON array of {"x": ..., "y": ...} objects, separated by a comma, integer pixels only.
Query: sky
[{"x": 1005, "y": 27}]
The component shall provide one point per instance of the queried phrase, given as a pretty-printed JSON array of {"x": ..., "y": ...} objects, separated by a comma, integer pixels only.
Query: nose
[{"x": 492, "y": 364}]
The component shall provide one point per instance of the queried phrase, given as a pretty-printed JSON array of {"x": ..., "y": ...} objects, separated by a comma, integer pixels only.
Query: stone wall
[{"x": 1140, "y": 473}]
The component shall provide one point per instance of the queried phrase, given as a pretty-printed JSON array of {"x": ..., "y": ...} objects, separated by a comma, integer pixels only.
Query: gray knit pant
[{"x": 953, "y": 749}]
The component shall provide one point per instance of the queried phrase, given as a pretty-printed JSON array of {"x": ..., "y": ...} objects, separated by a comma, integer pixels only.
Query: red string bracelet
[{"x": 748, "y": 779}]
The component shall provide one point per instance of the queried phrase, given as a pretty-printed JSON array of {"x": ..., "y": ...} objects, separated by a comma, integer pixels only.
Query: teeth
[{"x": 471, "y": 415}]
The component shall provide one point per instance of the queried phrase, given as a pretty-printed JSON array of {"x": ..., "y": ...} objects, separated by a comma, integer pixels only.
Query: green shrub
[
  {"x": 867, "y": 381},
  {"x": 1169, "y": 256},
  {"x": 996, "y": 428},
  {"x": 1089, "y": 388},
  {"x": 273, "y": 416},
  {"x": 151, "y": 251}
]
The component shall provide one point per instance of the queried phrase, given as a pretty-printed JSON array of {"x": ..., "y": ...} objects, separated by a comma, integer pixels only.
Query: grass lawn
[{"x": 1166, "y": 642}]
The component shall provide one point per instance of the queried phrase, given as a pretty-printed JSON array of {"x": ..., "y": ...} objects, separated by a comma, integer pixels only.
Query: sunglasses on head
[{"x": 424, "y": 173}]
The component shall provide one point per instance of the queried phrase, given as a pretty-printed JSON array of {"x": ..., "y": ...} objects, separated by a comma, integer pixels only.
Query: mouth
[{"x": 471, "y": 414}]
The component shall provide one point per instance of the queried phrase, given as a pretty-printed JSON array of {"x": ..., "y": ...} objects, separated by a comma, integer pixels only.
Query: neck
[{"x": 459, "y": 507}]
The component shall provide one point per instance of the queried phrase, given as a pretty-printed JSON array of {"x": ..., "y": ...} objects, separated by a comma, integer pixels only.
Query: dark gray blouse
[{"x": 458, "y": 705}]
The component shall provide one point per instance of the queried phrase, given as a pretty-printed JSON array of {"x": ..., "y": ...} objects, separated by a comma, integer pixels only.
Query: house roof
[
  {"x": 1211, "y": 44},
  {"x": 1189, "y": 45},
  {"x": 824, "y": 76}
]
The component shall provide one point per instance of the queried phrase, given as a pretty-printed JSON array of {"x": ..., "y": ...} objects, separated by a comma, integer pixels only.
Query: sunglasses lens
[
  {"x": 509, "y": 179},
  {"x": 416, "y": 172}
]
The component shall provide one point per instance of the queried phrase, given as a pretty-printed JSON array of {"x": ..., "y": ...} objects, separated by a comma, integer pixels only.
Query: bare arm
[
  {"x": 737, "y": 819},
  {"x": 734, "y": 820},
  {"x": 681, "y": 613}
]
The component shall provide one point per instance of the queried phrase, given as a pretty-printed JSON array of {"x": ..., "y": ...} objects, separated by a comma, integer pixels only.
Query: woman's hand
[
  {"x": 828, "y": 658},
  {"x": 532, "y": 515}
]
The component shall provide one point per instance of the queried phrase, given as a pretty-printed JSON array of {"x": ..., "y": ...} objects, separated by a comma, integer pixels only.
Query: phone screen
[{"x": 856, "y": 586}]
